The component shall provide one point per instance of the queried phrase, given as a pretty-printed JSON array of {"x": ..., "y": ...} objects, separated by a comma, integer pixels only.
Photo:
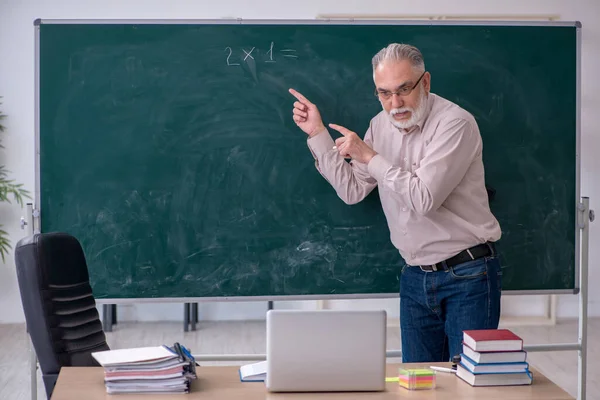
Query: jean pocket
[{"x": 469, "y": 270}]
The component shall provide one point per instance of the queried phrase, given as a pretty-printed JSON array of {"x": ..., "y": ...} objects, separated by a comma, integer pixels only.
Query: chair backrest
[{"x": 58, "y": 303}]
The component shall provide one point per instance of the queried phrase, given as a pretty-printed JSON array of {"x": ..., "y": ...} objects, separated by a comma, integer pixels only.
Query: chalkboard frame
[{"x": 578, "y": 227}]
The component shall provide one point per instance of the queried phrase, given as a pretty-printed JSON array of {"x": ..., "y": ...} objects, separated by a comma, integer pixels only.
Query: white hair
[{"x": 400, "y": 52}]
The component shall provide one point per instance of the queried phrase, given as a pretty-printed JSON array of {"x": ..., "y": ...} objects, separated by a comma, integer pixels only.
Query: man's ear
[{"x": 427, "y": 81}]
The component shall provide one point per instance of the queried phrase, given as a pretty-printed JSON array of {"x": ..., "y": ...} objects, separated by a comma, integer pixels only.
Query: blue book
[{"x": 492, "y": 368}]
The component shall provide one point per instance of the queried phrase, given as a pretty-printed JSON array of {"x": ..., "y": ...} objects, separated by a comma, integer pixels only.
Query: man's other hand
[{"x": 350, "y": 145}]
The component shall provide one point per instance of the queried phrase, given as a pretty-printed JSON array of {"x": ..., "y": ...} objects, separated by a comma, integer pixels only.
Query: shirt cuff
[
  {"x": 320, "y": 144},
  {"x": 378, "y": 167}
]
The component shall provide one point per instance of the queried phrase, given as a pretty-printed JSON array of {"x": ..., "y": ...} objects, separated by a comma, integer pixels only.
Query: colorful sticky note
[{"x": 418, "y": 378}]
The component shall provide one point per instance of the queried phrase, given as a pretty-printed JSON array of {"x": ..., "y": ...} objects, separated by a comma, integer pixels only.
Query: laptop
[{"x": 326, "y": 350}]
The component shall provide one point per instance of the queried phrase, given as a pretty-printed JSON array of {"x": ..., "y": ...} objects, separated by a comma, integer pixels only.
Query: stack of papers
[{"x": 159, "y": 369}]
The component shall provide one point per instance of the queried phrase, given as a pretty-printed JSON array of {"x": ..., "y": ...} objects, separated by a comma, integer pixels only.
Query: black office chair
[{"x": 59, "y": 306}]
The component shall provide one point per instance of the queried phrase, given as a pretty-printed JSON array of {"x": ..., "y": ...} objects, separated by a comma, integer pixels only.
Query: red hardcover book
[{"x": 483, "y": 340}]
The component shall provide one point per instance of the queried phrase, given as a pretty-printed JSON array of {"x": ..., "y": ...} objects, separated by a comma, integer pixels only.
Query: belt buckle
[{"x": 433, "y": 268}]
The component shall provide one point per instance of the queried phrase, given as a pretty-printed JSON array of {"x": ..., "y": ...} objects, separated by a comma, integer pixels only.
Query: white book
[
  {"x": 256, "y": 372},
  {"x": 494, "y": 357},
  {"x": 142, "y": 355},
  {"x": 510, "y": 379},
  {"x": 143, "y": 390}
]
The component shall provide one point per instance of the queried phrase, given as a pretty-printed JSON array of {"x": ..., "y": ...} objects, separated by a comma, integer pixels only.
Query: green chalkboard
[{"x": 169, "y": 150}]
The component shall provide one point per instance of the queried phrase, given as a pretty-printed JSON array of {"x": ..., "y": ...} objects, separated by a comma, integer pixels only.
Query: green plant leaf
[
  {"x": 8, "y": 189},
  {"x": 4, "y": 244}
]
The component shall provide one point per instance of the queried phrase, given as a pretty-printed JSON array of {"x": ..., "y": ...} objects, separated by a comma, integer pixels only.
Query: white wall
[{"x": 17, "y": 88}]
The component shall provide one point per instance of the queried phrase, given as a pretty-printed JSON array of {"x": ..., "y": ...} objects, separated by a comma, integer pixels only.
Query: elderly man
[{"x": 424, "y": 153}]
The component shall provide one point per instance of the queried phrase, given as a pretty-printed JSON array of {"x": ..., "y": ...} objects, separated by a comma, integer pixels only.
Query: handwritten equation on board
[{"x": 236, "y": 58}]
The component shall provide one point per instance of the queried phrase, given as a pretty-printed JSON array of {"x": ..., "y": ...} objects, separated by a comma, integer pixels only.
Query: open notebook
[{"x": 256, "y": 372}]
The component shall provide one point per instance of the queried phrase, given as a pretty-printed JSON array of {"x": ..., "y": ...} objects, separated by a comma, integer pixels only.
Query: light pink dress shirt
[{"x": 430, "y": 181}]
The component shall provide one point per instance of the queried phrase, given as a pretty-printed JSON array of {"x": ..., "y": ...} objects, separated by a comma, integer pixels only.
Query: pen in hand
[{"x": 346, "y": 157}]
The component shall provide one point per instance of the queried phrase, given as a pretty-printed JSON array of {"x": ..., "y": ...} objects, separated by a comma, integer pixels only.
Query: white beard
[{"x": 415, "y": 115}]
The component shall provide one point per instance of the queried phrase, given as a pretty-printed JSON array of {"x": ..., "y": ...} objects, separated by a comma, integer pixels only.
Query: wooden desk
[{"x": 87, "y": 383}]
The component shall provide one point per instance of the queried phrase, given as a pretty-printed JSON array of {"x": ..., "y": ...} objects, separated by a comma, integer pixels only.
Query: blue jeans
[{"x": 435, "y": 307}]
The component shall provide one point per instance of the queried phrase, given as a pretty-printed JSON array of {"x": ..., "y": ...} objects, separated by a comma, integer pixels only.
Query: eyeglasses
[{"x": 403, "y": 91}]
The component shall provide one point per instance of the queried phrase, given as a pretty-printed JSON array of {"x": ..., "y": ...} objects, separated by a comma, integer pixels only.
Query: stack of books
[
  {"x": 493, "y": 357},
  {"x": 159, "y": 369}
]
